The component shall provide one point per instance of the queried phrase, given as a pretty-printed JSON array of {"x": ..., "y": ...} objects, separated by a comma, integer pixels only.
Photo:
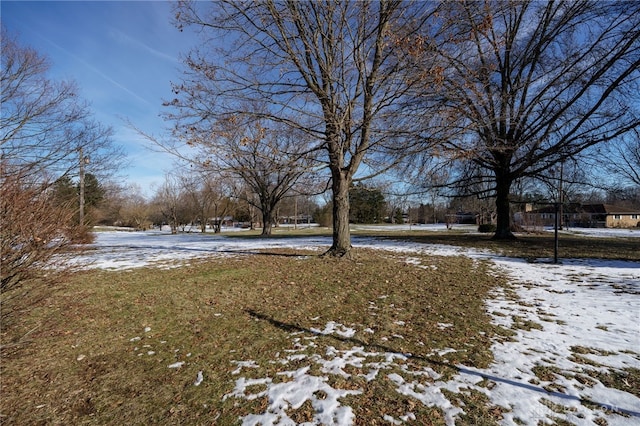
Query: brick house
[{"x": 607, "y": 216}]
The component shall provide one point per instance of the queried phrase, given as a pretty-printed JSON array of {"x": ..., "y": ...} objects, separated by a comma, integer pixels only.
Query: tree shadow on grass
[
  {"x": 211, "y": 250},
  {"x": 292, "y": 328}
]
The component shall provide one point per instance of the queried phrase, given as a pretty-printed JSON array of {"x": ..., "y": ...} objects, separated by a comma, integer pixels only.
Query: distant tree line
[{"x": 195, "y": 203}]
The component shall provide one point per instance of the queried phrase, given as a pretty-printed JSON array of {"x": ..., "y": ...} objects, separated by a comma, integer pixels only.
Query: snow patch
[
  {"x": 291, "y": 394},
  {"x": 333, "y": 327}
]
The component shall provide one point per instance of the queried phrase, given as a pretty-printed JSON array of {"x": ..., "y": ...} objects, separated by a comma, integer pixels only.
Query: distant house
[
  {"x": 226, "y": 221},
  {"x": 544, "y": 216},
  {"x": 608, "y": 216},
  {"x": 300, "y": 219},
  {"x": 584, "y": 215},
  {"x": 462, "y": 217}
]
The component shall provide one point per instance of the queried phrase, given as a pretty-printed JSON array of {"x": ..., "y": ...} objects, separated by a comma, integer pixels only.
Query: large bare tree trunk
[
  {"x": 267, "y": 221},
  {"x": 338, "y": 56},
  {"x": 341, "y": 246},
  {"x": 503, "y": 209}
]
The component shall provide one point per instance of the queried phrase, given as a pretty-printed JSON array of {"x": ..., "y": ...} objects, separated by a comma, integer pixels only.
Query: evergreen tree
[
  {"x": 64, "y": 191},
  {"x": 93, "y": 191},
  {"x": 367, "y": 204}
]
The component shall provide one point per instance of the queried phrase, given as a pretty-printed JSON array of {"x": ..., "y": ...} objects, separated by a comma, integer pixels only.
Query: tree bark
[
  {"x": 503, "y": 208},
  {"x": 267, "y": 220},
  {"x": 341, "y": 246}
]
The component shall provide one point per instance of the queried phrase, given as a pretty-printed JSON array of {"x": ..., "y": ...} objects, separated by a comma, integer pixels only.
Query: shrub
[
  {"x": 487, "y": 227},
  {"x": 36, "y": 238}
]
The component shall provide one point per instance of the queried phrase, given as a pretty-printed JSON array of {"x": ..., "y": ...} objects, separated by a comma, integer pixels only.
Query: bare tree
[
  {"x": 535, "y": 83},
  {"x": 197, "y": 205},
  {"x": 168, "y": 200},
  {"x": 210, "y": 197},
  {"x": 269, "y": 161},
  {"x": 133, "y": 209},
  {"x": 326, "y": 68},
  {"x": 261, "y": 155},
  {"x": 218, "y": 192},
  {"x": 623, "y": 158},
  {"x": 43, "y": 125},
  {"x": 37, "y": 113}
]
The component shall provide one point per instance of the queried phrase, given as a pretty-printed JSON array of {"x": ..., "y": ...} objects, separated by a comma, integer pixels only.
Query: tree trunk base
[
  {"x": 504, "y": 236},
  {"x": 340, "y": 253}
]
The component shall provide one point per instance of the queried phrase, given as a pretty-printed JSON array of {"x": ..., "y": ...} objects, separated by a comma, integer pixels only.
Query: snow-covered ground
[
  {"x": 605, "y": 232},
  {"x": 588, "y": 312}
]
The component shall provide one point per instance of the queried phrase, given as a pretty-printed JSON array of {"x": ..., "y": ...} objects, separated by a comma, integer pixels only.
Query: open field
[{"x": 205, "y": 329}]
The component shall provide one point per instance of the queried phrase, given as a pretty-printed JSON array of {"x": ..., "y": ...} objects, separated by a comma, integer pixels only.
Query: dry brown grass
[{"x": 85, "y": 365}]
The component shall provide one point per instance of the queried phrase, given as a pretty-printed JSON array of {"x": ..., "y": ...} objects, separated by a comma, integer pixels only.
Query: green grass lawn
[{"x": 89, "y": 359}]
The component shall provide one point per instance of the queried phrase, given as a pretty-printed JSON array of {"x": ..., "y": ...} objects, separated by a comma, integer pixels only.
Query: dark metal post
[
  {"x": 555, "y": 237},
  {"x": 561, "y": 196}
]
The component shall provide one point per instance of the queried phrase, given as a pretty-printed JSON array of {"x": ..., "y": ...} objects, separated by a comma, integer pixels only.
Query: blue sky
[{"x": 123, "y": 56}]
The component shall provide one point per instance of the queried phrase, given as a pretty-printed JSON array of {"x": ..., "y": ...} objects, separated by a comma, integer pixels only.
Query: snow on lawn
[
  {"x": 125, "y": 250},
  {"x": 605, "y": 232},
  {"x": 589, "y": 315},
  {"x": 582, "y": 316}
]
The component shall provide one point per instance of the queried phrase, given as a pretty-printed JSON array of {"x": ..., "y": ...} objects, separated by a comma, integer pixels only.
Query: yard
[{"x": 423, "y": 326}]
